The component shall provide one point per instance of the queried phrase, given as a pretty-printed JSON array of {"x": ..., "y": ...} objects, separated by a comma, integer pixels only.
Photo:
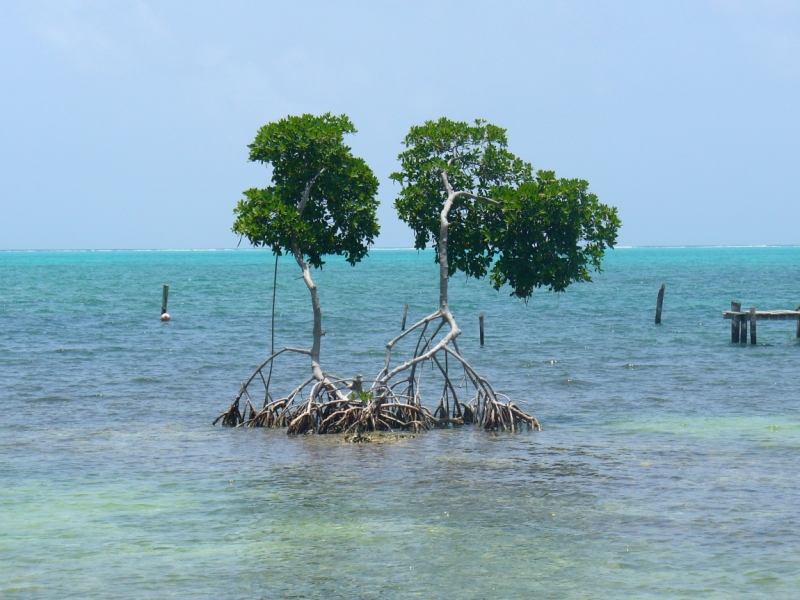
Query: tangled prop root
[
  {"x": 346, "y": 406},
  {"x": 332, "y": 405},
  {"x": 486, "y": 408}
]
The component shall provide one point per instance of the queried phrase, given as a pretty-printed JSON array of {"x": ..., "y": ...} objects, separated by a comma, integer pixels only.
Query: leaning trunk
[
  {"x": 316, "y": 370},
  {"x": 444, "y": 275}
]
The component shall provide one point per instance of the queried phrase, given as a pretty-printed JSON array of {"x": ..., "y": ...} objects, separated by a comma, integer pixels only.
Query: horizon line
[{"x": 251, "y": 249}]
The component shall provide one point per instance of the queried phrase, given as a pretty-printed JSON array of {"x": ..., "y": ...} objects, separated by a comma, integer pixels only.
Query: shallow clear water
[{"x": 667, "y": 466}]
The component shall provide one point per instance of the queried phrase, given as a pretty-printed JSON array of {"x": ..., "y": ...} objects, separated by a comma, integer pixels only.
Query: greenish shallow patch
[{"x": 777, "y": 428}]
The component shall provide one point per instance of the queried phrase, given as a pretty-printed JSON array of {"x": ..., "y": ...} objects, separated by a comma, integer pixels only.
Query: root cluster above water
[{"x": 391, "y": 402}]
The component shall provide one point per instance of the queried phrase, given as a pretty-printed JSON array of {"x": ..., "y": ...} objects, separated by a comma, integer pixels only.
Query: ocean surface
[{"x": 667, "y": 466}]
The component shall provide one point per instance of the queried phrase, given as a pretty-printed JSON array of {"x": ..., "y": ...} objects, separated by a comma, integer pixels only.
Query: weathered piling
[
  {"x": 739, "y": 320},
  {"x": 659, "y": 304},
  {"x": 743, "y": 329},
  {"x": 164, "y": 297},
  {"x": 735, "y": 307},
  {"x": 405, "y": 314},
  {"x": 797, "y": 334},
  {"x": 480, "y": 319}
]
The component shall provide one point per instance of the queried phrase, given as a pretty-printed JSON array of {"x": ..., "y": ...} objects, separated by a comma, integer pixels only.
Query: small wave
[{"x": 52, "y": 399}]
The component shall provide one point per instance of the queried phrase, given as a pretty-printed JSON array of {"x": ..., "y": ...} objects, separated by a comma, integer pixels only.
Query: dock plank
[{"x": 765, "y": 315}]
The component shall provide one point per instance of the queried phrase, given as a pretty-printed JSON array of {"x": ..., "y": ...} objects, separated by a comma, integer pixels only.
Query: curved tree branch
[
  {"x": 475, "y": 197},
  {"x": 307, "y": 191}
]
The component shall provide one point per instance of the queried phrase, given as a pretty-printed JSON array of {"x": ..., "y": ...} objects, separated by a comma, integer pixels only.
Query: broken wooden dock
[{"x": 740, "y": 319}]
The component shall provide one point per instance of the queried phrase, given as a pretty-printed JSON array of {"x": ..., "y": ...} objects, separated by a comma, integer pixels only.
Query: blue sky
[{"x": 125, "y": 124}]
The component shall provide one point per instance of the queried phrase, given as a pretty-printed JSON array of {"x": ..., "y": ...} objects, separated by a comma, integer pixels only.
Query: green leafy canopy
[
  {"x": 339, "y": 218},
  {"x": 541, "y": 232}
]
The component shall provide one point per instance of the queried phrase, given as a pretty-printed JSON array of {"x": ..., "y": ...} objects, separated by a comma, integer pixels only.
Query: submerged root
[
  {"x": 231, "y": 417},
  {"x": 352, "y": 416},
  {"x": 506, "y": 416},
  {"x": 377, "y": 438},
  {"x": 356, "y": 417}
]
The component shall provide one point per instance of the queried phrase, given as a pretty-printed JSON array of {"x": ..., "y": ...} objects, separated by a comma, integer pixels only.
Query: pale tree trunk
[
  {"x": 444, "y": 274},
  {"x": 444, "y": 310},
  {"x": 443, "y": 229},
  {"x": 316, "y": 370}
]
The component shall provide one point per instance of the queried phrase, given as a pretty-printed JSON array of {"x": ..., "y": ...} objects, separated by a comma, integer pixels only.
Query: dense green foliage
[
  {"x": 339, "y": 217},
  {"x": 540, "y": 232}
]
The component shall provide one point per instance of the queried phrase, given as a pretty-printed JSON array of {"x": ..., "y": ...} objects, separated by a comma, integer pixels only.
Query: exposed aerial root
[
  {"x": 391, "y": 402},
  {"x": 357, "y": 416},
  {"x": 273, "y": 412},
  {"x": 329, "y": 405},
  {"x": 486, "y": 408}
]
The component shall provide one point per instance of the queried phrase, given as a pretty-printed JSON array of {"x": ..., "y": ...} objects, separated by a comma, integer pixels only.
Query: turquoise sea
[{"x": 667, "y": 466}]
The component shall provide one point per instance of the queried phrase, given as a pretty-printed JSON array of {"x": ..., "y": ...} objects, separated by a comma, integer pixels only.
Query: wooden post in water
[
  {"x": 659, "y": 304},
  {"x": 164, "y": 298},
  {"x": 480, "y": 319},
  {"x": 753, "y": 325},
  {"x": 735, "y": 307},
  {"x": 405, "y": 313},
  {"x": 743, "y": 329},
  {"x": 798, "y": 324}
]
